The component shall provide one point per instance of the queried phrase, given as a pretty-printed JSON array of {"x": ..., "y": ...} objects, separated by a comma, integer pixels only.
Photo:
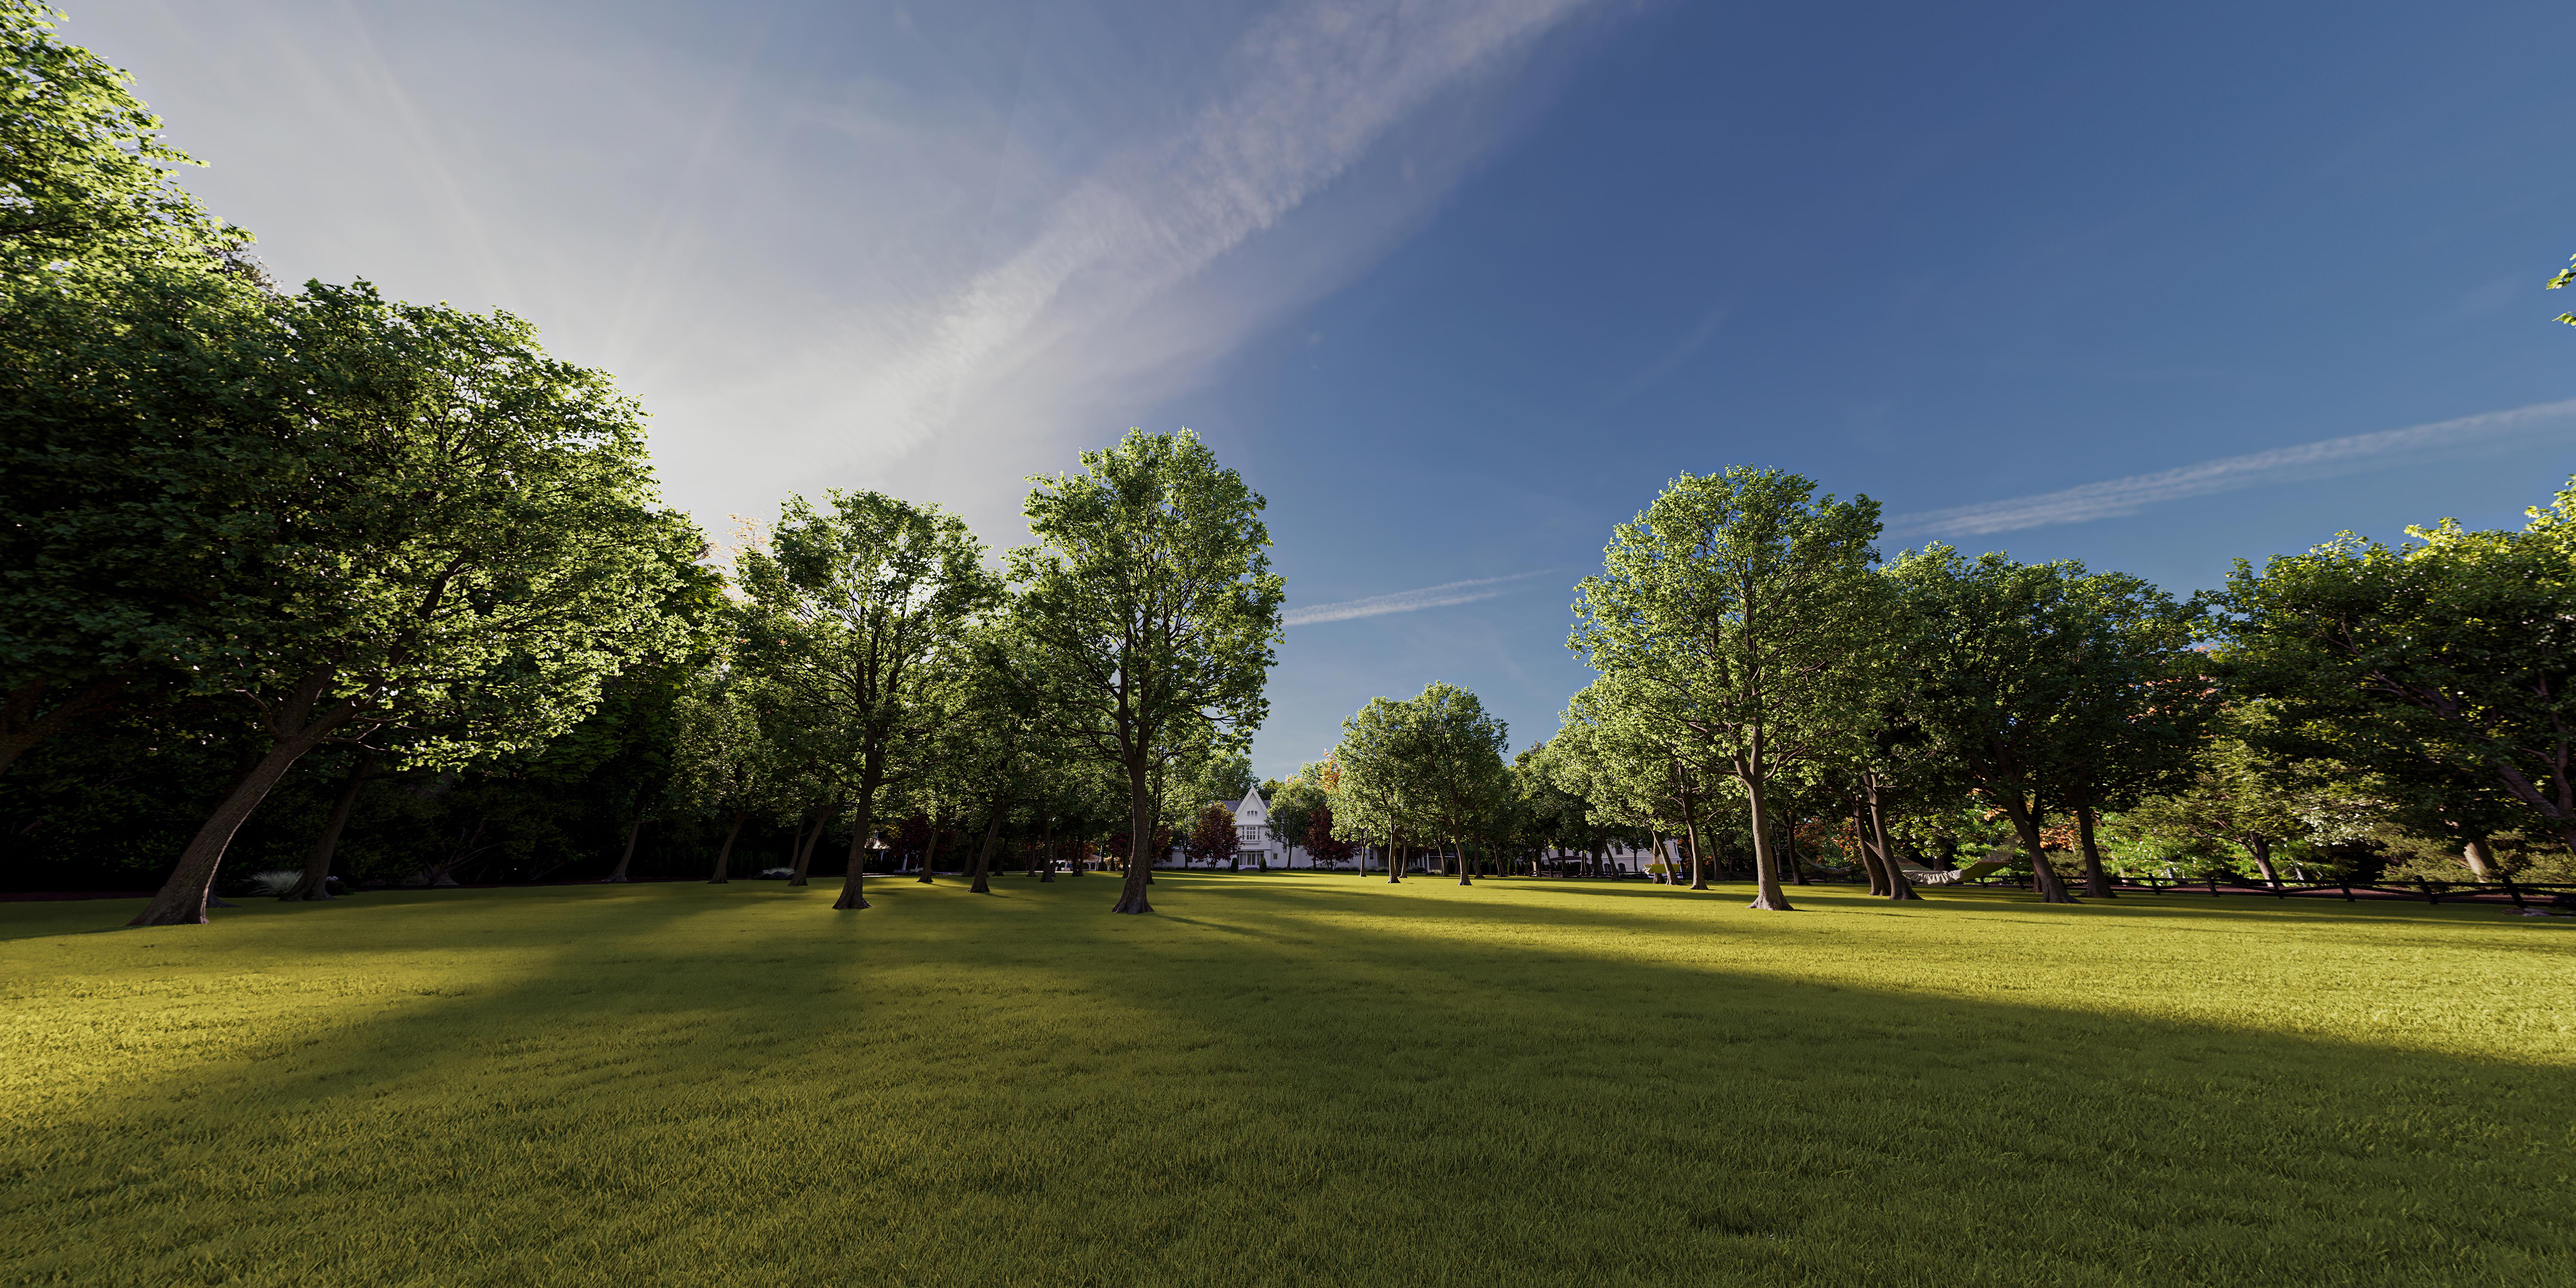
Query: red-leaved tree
[{"x": 1213, "y": 839}]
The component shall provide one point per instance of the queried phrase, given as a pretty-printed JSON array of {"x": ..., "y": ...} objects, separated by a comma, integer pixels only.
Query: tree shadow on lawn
[
  {"x": 54, "y": 918},
  {"x": 958, "y": 1090}
]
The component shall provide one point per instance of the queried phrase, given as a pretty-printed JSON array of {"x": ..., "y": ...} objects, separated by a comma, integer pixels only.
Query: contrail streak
[
  {"x": 1408, "y": 601},
  {"x": 2116, "y": 498}
]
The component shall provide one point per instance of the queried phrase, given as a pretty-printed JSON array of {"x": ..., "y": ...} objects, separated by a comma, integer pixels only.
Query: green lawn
[{"x": 1286, "y": 1079}]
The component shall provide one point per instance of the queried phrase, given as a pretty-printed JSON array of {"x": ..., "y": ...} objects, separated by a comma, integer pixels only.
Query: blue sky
[{"x": 1459, "y": 284}]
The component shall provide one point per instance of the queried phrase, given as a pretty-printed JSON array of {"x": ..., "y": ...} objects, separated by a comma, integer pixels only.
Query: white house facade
[{"x": 1253, "y": 834}]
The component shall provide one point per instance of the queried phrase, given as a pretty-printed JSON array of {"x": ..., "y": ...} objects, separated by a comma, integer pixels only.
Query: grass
[{"x": 1286, "y": 1080}]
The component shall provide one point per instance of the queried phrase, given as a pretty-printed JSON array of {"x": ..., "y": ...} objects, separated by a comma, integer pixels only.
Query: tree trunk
[
  {"x": 2481, "y": 859},
  {"x": 1394, "y": 861},
  {"x": 1046, "y": 866},
  {"x": 724, "y": 853},
  {"x": 1904, "y": 889},
  {"x": 21, "y": 728},
  {"x": 2026, "y": 826},
  {"x": 444, "y": 874},
  {"x": 929, "y": 849},
  {"x": 1789, "y": 847},
  {"x": 805, "y": 855},
  {"x": 315, "y": 884},
  {"x": 1690, "y": 831},
  {"x": 984, "y": 854},
  {"x": 1767, "y": 896},
  {"x": 297, "y": 730},
  {"x": 1463, "y": 869},
  {"x": 2097, "y": 881},
  {"x": 1869, "y": 864},
  {"x": 1140, "y": 837},
  {"x": 633, "y": 830},
  {"x": 863, "y": 825},
  {"x": 2261, "y": 845}
]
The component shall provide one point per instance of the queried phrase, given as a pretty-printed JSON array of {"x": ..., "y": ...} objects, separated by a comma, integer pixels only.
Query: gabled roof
[{"x": 1253, "y": 804}]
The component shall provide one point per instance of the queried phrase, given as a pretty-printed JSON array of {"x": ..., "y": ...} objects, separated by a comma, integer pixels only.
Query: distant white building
[
  {"x": 1256, "y": 842},
  {"x": 1260, "y": 845},
  {"x": 1253, "y": 834}
]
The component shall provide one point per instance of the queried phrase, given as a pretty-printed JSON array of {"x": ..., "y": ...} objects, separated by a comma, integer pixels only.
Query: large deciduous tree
[
  {"x": 88, "y": 175},
  {"x": 2000, "y": 658},
  {"x": 1149, "y": 611},
  {"x": 144, "y": 457},
  {"x": 2446, "y": 659},
  {"x": 1457, "y": 758},
  {"x": 1372, "y": 796},
  {"x": 133, "y": 333},
  {"x": 2142, "y": 707},
  {"x": 460, "y": 539},
  {"x": 1727, "y": 609},
  {"x": 850, "y": 608}
]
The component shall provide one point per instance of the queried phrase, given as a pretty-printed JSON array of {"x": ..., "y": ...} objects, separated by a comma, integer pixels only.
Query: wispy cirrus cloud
[
  {"x": 2327, "y": 458},
  {"x": 837, "y": 242},
  {"x": 1311, "y": 91},
  {"x": 1443, "y": 595}
]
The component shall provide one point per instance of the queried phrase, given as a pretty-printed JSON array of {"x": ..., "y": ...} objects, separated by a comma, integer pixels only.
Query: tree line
[{"x": 1767, "y": 683}]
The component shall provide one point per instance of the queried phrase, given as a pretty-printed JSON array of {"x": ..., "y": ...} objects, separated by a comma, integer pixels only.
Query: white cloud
[
  {"x": 1410, "y": 601},
  {"x": 830, "y": 245},
  {"x": 1312, "y": 90},
  {"x": 2117, "y": 498}
]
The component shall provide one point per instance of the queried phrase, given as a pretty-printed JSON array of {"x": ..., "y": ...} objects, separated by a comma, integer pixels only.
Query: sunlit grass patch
[{"x": 1286, "y": 1079}]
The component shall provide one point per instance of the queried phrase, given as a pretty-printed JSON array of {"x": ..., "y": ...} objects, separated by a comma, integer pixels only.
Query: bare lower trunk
[
  {"x": 2480, "y": 858},
  {"x": 1789, "y": 848},
  {"x": 1690, "y": 832},
  {"x": 1869, "y": 862},
  {"x": 929, "y": 850},
  {"x": 863, "y": 820},
  {"x": 1140, "y": 839},
  {"x": 315, "y": 884},
  {"x": 1046, "y": 861},
  {"x": 984, "y": 854},
  {"x": 724, "y": 853},
  {"x": 2262, "y": 849},
  {"x": 2097, "y": 881},
  {"x": 1767, "y": 895},
  {"x": 805, "y": 854},
  {"x": 297, "y": 728},
  {"x": 1463, "y": 869},
  {"x": 627, "y": 859},
  {"x": 1904, "y": 889},
  {"x": 2042, "y": 874},
  {"x": 1394, "y": 860},
  {"x": 182, "y": 900}
]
